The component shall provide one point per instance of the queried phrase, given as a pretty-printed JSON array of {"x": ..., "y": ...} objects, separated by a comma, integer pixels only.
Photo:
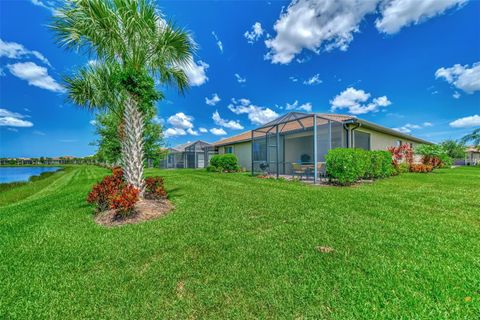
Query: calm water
[{"x": 14, "y": 174}]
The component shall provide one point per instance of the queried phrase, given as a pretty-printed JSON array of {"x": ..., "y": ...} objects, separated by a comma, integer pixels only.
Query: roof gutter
[{"x": 350, "y": 130}]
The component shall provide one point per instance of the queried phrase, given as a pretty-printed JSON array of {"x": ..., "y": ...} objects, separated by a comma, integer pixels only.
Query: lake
[{"x": 18, "y": 174}]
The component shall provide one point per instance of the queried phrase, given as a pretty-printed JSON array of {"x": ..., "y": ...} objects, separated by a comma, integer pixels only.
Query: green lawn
[{"x": 242, "y": 247}]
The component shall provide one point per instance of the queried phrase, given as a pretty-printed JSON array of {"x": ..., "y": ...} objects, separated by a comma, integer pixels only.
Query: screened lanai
[
  {"x": 296, "y": 144},
  {"x": 189, "y": 155}
]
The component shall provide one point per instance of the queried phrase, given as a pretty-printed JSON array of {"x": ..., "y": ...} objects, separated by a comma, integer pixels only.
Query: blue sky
[{"x": 417, "y": 71}]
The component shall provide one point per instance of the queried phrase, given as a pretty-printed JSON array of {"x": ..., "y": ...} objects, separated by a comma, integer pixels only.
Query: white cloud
[
  {"x": 93, "y": 122},
  {"x": 35, "y": 76},
  {"x": 181, "y": 120},
  {"x": 39, "y": 133},
  {"x": 213, "y": 100},
  {"x": 12, "y": 129},
  {"x": 397, "y": 14},
  {"x": 407, "y": 128},
  {"x": 15, "y": 50},
  {"x": 307, "y": 107},
  {"x": 330, "y": 24},
  {"x": 466, "y": 122},
  {"x": 2, "y": 73},
  {"x": 219, "y": 43},
  {"x": 313, "y": 24},
  {"x": 315, "y": 79},
  {"x": 156, "y": 119},
  {"x": 173, "y": 132},
  {"x": 230, "y": 124},
  {"x": 196, "y": 73},
  {"x": 456, "y": 95},
  {"x": 255, "y": 34},
  {"x": 257, "y": 115},
  {"x": 461, "y": 77},
  {"x": 13, "y": 119},
  {"x": 182, "y": 125},
  {"x": 218, "y": 131},
  {"x": 293, "y": 79},
  {"x": 49, "y": 5},
  {"x": 192, "y": 132},
  {"x": 355, "y": 101},
  {"x": 203, "y": 130},
  {"x": 240, "y": 79}
]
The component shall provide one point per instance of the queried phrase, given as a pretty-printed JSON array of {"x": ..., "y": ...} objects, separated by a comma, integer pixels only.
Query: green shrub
[
  {"x": 347, "y": 166},
  {"x": 402, "y": 168},
  {"x": 379, "y": 164},
  {"x": 434, "y": 155},
  {"x": 225, "y": 162},
  {"x": 212, "y": 169}
]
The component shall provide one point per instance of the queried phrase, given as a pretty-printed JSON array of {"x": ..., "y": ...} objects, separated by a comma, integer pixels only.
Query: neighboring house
[
  {"x": 306, "y": 138},
  {"x": 195, "y": 154},
  {"x": 472, "y": 156}
]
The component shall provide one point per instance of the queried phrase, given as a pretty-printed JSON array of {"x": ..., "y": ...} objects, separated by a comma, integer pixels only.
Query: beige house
[
  {"x": 472, "y": 156},
  {"x": 306, "y": 138}
]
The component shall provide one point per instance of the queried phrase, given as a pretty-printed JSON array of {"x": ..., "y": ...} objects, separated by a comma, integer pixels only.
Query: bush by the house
[
  {"x": 402, "y": 168},
  {"x": 434, "y": 155},
  {"x": 154, "y": 188},
  {"x": 421, "y": 168},
  {"x": 401, "y": 154},
  {"x": 124, "y": 201},
  {"x": 379, "y": 164},
  {"x": 347, "y": 166},
  {"x": 212, "y": 169},
  {"x": 224, "y": 163}
]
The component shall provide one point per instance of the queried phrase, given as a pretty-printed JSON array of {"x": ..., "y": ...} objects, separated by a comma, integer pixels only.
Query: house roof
[
  {"x": 472, "y": 149},
  {"x": 182, "y": 147},
  {"x": 295, "y": 120}
]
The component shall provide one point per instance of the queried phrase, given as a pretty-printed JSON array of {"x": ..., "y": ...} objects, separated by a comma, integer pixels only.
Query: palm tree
[
  {"x": 474, "y": 137},
  {"x": 130, "y": 39}
]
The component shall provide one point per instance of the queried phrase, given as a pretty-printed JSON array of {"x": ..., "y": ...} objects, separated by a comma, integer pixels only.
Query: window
[
  {"x": 229, "y": 149},
  {"x": 398, "y": 143},
  {"x": 362, "y": 140}
]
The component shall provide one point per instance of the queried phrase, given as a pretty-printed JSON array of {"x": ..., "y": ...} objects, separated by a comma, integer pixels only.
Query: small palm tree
[
  {"x": 474, "y": 137},
  {"x": 130, "y": 39}
]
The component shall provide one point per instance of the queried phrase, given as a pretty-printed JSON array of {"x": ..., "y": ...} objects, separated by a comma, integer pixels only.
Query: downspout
[{"x": 350, "y": 131}]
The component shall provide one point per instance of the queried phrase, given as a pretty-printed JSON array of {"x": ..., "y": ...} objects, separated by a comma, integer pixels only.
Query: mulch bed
[{"x": 144, "y": 210}]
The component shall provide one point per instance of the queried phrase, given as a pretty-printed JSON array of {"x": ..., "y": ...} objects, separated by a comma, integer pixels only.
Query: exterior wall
[
  {"x": 473, "y": 158},
  {"x": 381, "y": 141},
  {"x": 243, "y": 151},
  {"x": 295, "y": 146},
  {"x": 298, "y": 144}
]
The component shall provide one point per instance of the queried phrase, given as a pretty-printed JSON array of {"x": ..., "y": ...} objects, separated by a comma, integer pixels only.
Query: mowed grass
[{"x": 240, "y": 247}]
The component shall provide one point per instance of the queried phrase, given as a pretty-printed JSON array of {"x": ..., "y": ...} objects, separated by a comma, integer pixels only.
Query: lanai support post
[
  {"x": 252, "y": 152},
  {"x": 315, "y": 157},
  {"x": 278, "y": 144}
]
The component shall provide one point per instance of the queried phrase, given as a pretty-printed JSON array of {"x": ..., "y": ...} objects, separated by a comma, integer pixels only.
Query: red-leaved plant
[
  {"x": 154, "y": 188},
  {"x": 103, "y": 191},
  {"x": 113, "y": 193},
  {"x": 421, "y": 168},
  {"x": 124, "y": 201},
  {"x": 400, "y": 154}
]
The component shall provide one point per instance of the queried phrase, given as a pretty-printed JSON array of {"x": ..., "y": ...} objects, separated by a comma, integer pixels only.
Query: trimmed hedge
[
  {"x": 379, "y": 164},
  {"x": 224, "y": 163},
  {"x": 348, "y": 166}
]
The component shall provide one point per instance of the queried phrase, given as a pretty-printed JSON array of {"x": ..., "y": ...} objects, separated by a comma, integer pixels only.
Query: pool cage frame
[
  {"x": 193, "y": 155},
  {"x": 272, "y": 133}
]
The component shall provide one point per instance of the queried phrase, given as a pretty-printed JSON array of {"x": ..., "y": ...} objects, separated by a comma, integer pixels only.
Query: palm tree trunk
[{"x": 132, "y": 145}]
